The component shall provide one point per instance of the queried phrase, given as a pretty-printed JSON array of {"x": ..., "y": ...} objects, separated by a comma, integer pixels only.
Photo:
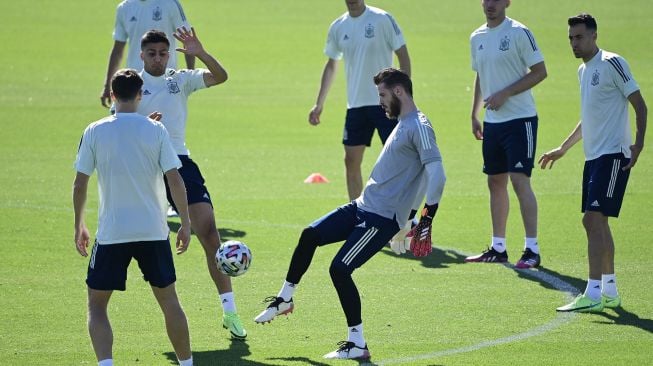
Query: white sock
[
  {"x": 593, "y": 289},
  {"x": 356, "y": 335},
  {"x": 287, "y": 291},
  {"x": 609, "y": 285},
  {"x": 188, "y": 362},
  {"x": 106, "y": 362},
  {"x": 499, "y": 244},
  {"x": 531, "y": 243},
  {"x": 228, "y": 302}
]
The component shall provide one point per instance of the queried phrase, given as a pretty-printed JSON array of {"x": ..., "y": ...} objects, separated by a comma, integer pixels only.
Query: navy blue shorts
[
  {"x": 604, "y": 184},
  {"x": 364, "y": 233},
  {"x": 107, "y": 268},
  {"x": 360, "y": 124},
  {"x": 509, "y": 146},
  {"x": 195, "y": 189}
]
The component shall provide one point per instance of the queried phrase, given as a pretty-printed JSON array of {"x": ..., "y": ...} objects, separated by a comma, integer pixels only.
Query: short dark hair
[
  {"x": 392, "y": 77},
  {"x": 583, "y": 18},
  {"x": 125, "y": 84},
  {"x": 154, "y": 36}
]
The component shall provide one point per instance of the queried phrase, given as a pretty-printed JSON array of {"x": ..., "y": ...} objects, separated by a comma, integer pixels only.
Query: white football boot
[
  {"x": 349, "y": 350},
  {"x": 277, "y": 306}
]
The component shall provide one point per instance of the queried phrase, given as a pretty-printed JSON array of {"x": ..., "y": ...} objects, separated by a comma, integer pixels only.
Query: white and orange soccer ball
[{"x": 233, "y": 258}]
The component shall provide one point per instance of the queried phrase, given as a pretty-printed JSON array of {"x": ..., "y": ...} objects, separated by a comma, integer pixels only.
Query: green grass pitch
[{"x": 253, "y": 143}]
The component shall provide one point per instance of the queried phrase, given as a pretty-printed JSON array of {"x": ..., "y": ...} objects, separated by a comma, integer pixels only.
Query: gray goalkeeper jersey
[{"x": 395, "y": 180}]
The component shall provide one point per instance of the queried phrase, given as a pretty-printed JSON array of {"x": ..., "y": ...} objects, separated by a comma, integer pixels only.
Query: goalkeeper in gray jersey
[{"x": 409, "y": 164}]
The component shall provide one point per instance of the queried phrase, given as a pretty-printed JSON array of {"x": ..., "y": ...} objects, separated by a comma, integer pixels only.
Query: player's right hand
[
  {"x": 82, "y": 238},
  {"x": 105, "y": 97},
  {"x": 477, "y": 129},
  {"x": 314, "y": 115},
  {"x": 399, "y": 243},
  {"x": 183, "y": 239}
]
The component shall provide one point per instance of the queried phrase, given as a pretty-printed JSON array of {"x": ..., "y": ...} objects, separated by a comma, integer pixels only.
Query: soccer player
[
  {"x": 367, "y": 223},
  {"x": 167, "y": 90},
  {"x": 508, "y": 64},
  {"x": 133, "y": 19},
  {"x": 130, "y": 152},
  {"x": 606, "y": 88},
  {"x": 365, "y": 37}
]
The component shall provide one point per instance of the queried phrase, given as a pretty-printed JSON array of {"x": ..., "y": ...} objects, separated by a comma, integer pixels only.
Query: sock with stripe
[
  {"x": 593, "y": 289},
  {"x": 609, "y": 285},
  {"x": 531, "y": 243},
  {"x": 499, "y": 244}
]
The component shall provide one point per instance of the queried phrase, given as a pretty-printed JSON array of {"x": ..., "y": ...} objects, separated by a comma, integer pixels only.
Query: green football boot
[
  {"x": 611, "y": 302},
  {"x": 232, "y": 322},
  {"x": 583, "y": 304}
]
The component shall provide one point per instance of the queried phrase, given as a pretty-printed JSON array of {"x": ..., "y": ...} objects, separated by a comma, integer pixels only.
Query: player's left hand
[
  {"x": 155, "y": 116},
  {"x": 192, "y": 45},
  {"x": 496, "y": 100},
  {"x": 183, "y": 239},
  {"x": 82, "y": 238},
  {"x": 635, "y": 150},
  {"x": 421, "y": 244}
]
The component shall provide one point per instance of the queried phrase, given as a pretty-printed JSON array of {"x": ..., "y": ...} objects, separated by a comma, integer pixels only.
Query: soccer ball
[{"x": 233, "y": 258}]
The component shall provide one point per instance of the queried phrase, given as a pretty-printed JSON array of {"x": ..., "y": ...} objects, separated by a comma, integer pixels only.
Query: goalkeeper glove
[{"x": 420, "y": 244}]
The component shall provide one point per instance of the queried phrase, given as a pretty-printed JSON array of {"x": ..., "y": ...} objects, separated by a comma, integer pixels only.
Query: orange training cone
[{"x": 316, "y": 178}]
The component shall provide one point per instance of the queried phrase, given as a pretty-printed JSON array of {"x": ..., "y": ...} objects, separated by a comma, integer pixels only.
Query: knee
[
  {"x": 309, "y": 238},
  {"x": 339, "y": 271}
]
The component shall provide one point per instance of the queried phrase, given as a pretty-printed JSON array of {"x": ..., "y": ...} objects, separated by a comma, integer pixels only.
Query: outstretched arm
[
  {"x": 555, "y": 154},
  {"x": 193, "y": 47}
]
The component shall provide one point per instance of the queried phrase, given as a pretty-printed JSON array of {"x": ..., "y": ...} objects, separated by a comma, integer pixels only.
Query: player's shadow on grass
[
  {"x": 577, "y": 283},
  {"x": 625, "y": 317},
  {"x": 225, "y": 233},
  {"x": 234, "y": 355},
  {"x": 308, "y": 361},
  {"x": 439, "y": 258}
]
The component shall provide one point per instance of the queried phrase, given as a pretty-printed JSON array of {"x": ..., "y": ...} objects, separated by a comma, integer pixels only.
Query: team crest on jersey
[
  {"x": 595, "y": 78},
  {"x": 156, "y": 14},
  {"x": 369, "y": 31},
  {"x": 504, "y": 45},
  {"x": 173, "y": 88}
]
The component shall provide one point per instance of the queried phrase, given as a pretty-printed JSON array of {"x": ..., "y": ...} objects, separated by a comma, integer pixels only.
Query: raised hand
[{"x": 192, "y": 45}]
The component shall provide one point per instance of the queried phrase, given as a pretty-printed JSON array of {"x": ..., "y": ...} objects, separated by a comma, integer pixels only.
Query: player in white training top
[
  {"x": 166, "y": 91},
  {"x": 508, "y": 63},
  {"x": 133, "y": 19},
  {"x": 365, "y": 37},
  {"x": 606, "y": 88},
  {"x": 131, "y": 153}
]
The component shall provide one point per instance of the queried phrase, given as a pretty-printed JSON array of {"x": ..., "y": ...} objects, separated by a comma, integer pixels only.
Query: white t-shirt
[
  {"x": 605, "y": 84},
  {"x": 130, "y": 153},
  {"x": 501, "y": 56},
  {"x": 135, "y": 17},
  {"x": 168, "y": 94},
  {"x": 366, "y": 43}
]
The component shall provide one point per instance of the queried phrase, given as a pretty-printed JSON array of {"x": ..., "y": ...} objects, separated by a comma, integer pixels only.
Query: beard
[{"x": 394, "y": 108}]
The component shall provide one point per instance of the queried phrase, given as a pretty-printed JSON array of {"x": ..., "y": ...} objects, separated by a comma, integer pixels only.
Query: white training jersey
[
  {"x": 135, "y": 17},
  {"x": 605, "y": 84},
  {"x": 130, "y": 153},
  {"x": 168, "y": 94},
  {"x": 366, "y": 42},
  {"x": 501, "y": 56},
  {"x": 399, "y": 173}
]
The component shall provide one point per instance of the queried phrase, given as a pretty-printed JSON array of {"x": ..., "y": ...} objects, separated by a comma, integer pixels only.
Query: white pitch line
[{"x": 560, "y": 319}]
